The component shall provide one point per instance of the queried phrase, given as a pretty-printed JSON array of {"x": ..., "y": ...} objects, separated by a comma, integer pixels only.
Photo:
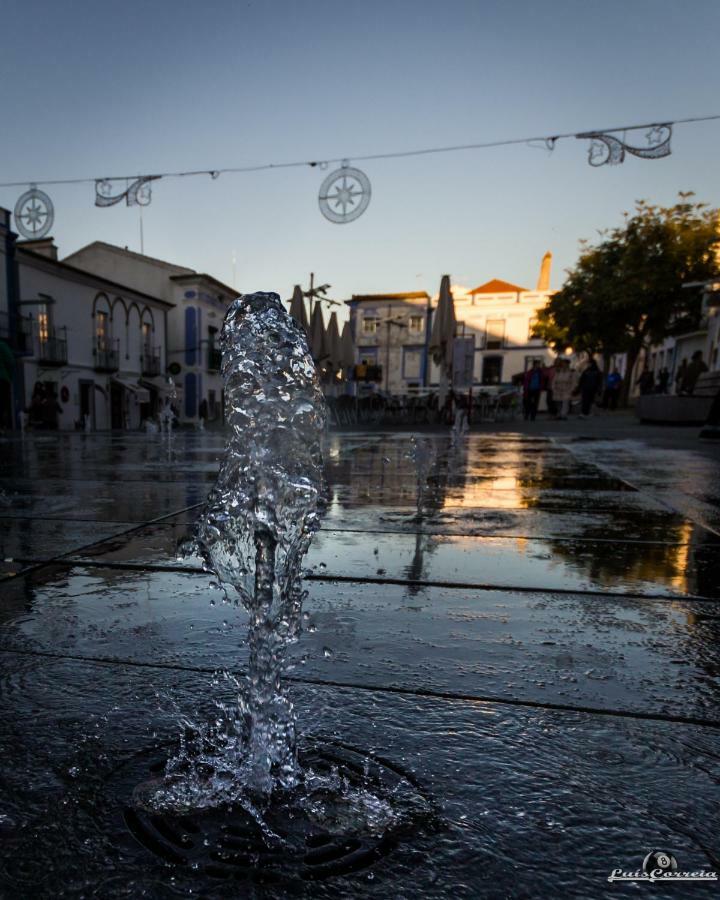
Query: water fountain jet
[{"x": 262, "y": 512}]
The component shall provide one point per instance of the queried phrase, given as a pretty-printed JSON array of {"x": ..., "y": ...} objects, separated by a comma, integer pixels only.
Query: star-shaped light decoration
[
  {"x": 34, "y": 214},
  {"x": 344, "y": 195}
]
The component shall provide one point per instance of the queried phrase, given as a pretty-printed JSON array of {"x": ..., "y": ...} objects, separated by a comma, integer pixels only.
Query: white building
[
  {"x": 392, "y": 332},
  {"x": 197, "y": 305},
  {"x": 96, "y": 346}
]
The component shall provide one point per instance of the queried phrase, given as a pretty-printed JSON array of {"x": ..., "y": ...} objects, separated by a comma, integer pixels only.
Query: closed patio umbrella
[
  {"x": 318, "y": 337},
  {"x": 347, "y": 348},
  {"x": 297, "y": 309},
  {"x": 333, "y": 342},
  {"x": 442, "y": 335}
]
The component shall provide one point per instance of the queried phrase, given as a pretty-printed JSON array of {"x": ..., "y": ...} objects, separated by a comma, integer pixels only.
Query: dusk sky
[{"x": 92, "y": 88}]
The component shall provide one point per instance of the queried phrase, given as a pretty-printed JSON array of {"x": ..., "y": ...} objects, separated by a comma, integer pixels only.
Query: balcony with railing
[
  {"x": 214, "y": 359},
  {"x": 17, "y": 331},
  {"x": 150, "y": 362},
  {"x": 51, "y": 347},
  {"x": 107, "y": 355}
]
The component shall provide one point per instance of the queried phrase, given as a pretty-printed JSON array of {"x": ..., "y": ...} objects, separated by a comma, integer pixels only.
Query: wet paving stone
[
  {"x": 503, "y": 561},
  {"x": 533, "y": 631},
  {"x": 530, "y": 802},
  {"x": 629, "y": 654}
]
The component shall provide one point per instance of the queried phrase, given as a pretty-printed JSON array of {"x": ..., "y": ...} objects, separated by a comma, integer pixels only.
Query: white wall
[{"x": 75, "y": 298}]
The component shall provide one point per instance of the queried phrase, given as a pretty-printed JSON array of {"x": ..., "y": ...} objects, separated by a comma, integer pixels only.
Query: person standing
[
  {"x": 613, "y": 384},
  {"x": 663, "y": 380},
  {"x": 564, "y": 384},
  {"x": 589, "y": 387},
  {"x": 693, "y": 372},
  {"x": 533, "y": 385}
]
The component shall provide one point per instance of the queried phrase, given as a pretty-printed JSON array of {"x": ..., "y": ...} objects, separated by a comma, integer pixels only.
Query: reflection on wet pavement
[{"x": 538, "y": 640}]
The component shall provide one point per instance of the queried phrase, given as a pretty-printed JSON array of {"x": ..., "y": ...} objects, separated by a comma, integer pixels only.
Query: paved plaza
[{"x": 531, "y": 631}]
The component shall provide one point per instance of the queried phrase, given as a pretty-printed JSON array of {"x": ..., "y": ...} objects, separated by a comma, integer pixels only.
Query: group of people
[
  {"x": 686, "y": 377},
  {"x": 44, "y": 407},
  {"x": 561, "y": 384}
]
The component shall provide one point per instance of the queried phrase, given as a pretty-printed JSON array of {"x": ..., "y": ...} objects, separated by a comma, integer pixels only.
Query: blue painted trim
[
  {"x": 190, "y": 395},
  {"x": 190, "y": 336}
]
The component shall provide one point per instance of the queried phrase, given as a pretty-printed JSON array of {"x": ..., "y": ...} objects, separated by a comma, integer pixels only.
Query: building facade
[
  {"x": 494, "y": 333},
  {"x": 92, "y": 346},
  {"x": 197, "y": 302}
]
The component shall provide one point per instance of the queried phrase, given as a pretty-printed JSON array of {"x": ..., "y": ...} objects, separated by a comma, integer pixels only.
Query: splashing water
[{"x": 259, "y": 520}]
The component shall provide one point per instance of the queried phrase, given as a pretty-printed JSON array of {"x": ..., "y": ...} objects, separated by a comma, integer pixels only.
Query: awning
[
  {"x": 142, "y": 395},
  {"x": 162, "y": 387}
]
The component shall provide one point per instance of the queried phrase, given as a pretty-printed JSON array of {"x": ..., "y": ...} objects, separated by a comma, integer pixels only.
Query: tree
[{"x": 626, "y": 292}]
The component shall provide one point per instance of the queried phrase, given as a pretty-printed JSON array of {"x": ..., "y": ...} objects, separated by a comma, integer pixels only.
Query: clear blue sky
[{"x": 92, "y": 88}]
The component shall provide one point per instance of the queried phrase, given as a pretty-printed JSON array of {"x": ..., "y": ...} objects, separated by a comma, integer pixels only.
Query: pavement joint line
[
  {"x": 58, "y": 559},
  {"x": 70, "y": 561},
  {"x": 428, "y": 693},
  {"x": 505, "y": 536}
]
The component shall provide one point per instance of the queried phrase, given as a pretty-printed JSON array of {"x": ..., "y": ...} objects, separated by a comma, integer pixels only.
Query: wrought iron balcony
[
  {"x": 150, "y": 362},
  {"x": 107, "y": 355},
  {"x": 18, "y": 333},
  {"x": 52, "y": 347},
  {"x": 214, "y": 359}
]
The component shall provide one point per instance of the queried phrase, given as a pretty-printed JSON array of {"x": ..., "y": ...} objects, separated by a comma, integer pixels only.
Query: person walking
[
  {"x": 564, "y": 384},
  {"x": 533, "y": 384},
  {"x": 589, "y": 386}
]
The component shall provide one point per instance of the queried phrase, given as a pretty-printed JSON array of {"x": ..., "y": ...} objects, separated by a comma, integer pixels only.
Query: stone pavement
[{"x": 536, "y": 641}]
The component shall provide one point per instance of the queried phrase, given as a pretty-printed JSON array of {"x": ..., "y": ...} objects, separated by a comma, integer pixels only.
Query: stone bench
[{"x": 680, "y": 410}]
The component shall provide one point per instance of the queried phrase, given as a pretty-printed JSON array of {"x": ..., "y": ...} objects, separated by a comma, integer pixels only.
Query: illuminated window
[
  {"x": 102, "y": 328},
  {"x": 43, "y": 325},
  {"x": 146, "y": 336}
]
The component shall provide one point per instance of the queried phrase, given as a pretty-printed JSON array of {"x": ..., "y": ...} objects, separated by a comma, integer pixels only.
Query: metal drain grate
[{"x": 229, "y": 844}]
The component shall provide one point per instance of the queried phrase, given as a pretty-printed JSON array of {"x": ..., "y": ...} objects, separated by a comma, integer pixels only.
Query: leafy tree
[{"x": 626, "y": 292}]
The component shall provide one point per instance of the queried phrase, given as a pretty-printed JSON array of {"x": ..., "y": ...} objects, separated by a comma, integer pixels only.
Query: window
[
  {"x": 102, "y": 328},
  {"x": 368, "y": 356},
  {"x": 416, "y": 324},
  {"x": 369, "y": 324},
  {"x": 146, "y": 337},
  {"x": 412, "y": 363},
  {"x": 495, "y": 334},
  {"x": 492, "y": 370},
  {"x": 43, "y": 321}
]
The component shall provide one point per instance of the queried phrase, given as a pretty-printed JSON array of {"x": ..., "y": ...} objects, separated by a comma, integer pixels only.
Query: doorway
[
  {"x": 87, "y": 402},
  {"x": 117, "y": 406}
]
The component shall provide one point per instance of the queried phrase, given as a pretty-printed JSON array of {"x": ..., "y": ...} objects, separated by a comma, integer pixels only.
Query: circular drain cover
[{"x": 228, "y": 842}]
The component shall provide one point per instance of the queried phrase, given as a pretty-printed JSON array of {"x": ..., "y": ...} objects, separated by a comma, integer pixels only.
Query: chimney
[
  {"x": 43, "y": 246},
  {"x": 543, "y": 282}
]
